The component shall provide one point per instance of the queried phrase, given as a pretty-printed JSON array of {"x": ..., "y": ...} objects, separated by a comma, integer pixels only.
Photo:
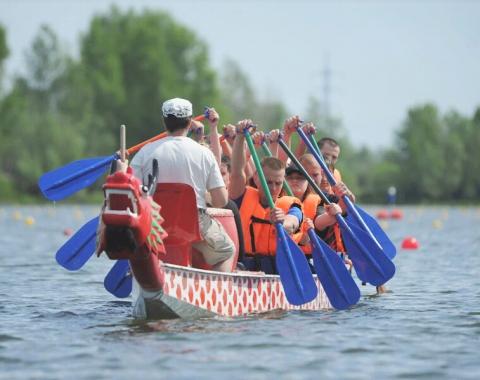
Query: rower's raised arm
[
  {"x": 215, "y": 146},
  {"x": 238, "y": 178},
  {"x": 273, "y": 140},
  {"x": 288, "y": 130}
]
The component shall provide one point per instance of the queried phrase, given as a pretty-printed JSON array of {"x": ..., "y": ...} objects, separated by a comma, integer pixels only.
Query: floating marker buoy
[
  {"x": 410, "y": 243},
  {"x": 17, "y": 215},
  {"x": 67, "y": 231},
  {"x": 29, "y": 220},
  {"x": 78, "y": 214},
  {"x": 396, "y": 214},
  {"x": 382, "y": 214}
]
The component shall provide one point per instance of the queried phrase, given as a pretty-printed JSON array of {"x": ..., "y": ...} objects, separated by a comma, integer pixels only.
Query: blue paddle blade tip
[
  {"x": 295, "y": 273},
  {"x": 79, "y": 248},
  {"x": 370, "y": 262},
  {"x": 67, "y": 180},
  {"x": 119, "y": 279},
  {"x": 337, "y": 282},
  {"x": 376, "y": 230}
]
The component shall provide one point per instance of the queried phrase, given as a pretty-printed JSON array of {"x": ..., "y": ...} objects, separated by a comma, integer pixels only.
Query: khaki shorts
[{"x": 216, "y": 245}]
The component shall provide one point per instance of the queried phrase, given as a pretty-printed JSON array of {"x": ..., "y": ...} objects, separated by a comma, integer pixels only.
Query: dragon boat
[{"x": 155, "y": 234}]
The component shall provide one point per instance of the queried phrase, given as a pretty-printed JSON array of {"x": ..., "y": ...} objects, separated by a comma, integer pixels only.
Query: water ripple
[{"x": 59, "y": 324}]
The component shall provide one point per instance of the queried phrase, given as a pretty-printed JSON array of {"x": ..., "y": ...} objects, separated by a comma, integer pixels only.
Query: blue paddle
[
  {"x": 295, "y": 274},
  {"x": 372, "y": 226},
  {"x": 80, "y": 247},
  {"x": 67, "y": 180},
  {"x": 370, "y": 262},
  {"x": 375, "y": 229},
  {"x": 62, "y": 182},
  {"x": 389, "y": 248},
  {"x": 333, "y": 274},
  {"x": 119, "y": 279}
]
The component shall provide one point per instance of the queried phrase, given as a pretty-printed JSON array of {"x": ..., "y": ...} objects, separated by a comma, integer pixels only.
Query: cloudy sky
[{"x": 384, "y": 56}]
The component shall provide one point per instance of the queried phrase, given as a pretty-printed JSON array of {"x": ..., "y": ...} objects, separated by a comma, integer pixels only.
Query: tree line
[{"x": 65, "y": 108}]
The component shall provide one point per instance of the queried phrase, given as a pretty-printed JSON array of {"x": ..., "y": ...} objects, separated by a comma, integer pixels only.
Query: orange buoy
[
  {"x": 410, "y": 243},
  {"x": 382, "y": 214},
  {"x": 396, "y": 214},
  {"x": 67, "y": 231}
]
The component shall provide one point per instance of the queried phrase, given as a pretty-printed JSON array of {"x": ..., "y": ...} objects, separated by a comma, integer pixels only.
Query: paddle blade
[
  {"x": 119, "y": 279},
  {"x": 67, "y": 180},
  {"x": 377, "y": 231},
  {"x": 295, "y": 273},
  {"x": 370, "y": 262},
  {"x": 337, "y": 282},
  {"x": 79, "y": 248}
]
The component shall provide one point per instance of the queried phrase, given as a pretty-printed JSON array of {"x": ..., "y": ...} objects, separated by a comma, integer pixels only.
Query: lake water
[{"x": 56, "y": 324}]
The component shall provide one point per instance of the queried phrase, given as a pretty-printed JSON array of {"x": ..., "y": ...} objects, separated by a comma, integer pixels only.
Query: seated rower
[
  {"x": 257, "y": 218},
  {"x": 183, "y": 160},
  {"x": 320, "y": 217}
]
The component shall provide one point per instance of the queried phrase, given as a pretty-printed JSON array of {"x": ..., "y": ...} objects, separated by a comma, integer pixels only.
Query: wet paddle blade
[
  {"x": 377, "y": 231},
  {"x": 79, "y": 248},
  {"x": 370, "y": 262},
  {"x": 67, "y": 180},
  {"x": 337, "y": 282},
  {"x": 119, "y": 279},
  {"x": 295, "y": 273}
]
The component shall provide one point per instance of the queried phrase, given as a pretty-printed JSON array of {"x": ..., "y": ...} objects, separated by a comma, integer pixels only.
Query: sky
[{"x": 384, "y": 56}]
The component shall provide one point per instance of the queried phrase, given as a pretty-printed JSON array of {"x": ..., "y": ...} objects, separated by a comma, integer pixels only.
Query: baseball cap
[
  {"x": 177, "y": 107},
  {"x": 292, "y": 169}
]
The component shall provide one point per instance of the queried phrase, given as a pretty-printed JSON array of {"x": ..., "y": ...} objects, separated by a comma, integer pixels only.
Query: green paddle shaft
[
  {"x": 268, "y": 153},
  {"x": 314, "y": 142},
  {"x": 259, "y": 170}
]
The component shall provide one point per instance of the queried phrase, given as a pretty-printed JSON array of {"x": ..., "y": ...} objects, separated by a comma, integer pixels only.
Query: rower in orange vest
[
  {"x": 322, "y": 216},
  {"x": 257, "y": 218}
]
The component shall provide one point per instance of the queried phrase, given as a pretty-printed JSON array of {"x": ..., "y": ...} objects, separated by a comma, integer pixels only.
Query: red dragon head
[{"x": 131, "y": 217}]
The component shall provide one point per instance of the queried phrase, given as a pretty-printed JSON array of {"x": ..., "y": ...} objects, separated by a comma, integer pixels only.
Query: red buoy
[
  {"x": 67, "y": 231},
  {"x": 382, "y": 214},
  {"x": 410, "y": 243},
  {"x": 396, "y": 214}
]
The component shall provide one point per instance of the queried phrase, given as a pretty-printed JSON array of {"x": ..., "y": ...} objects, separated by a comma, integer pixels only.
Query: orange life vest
[
  {"x": 337, "y": 175},
  {"x": 310, "y": 205},
  {"x": 309, "y": 208},
  {"x": 259, "y": 234}
]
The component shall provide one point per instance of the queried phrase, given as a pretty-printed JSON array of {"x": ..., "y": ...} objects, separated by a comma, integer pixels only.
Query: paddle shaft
[
  {"x": 258, "y": 166},
  {"x": 122, "y": 142},
  {"x": 139, "y": 146},
  {"x": 268, "y": 153},
  {"x": 278, "y": 225}
]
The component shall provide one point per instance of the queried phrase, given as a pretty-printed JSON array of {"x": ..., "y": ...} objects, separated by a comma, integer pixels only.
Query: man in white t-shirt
[{"x": 183, "y": 160}]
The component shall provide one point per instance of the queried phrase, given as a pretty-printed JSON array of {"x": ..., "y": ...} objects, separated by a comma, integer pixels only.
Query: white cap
[{"x": 177, "y": 107}]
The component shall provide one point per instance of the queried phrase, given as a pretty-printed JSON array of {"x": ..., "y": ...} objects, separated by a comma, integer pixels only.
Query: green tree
[
  {"x": 238, "y": 94},
  {"x": 134, "y": 62},
  {"x": 457, "y": 127},
  {"x": 34, "y": 132},
  {"x": 327, "y": 125},
  {"x": 3, "y": 49},
  {"x": 421, "y": 143},
  {"x": 471, "y": 182},
  {"x": 241, "y": 101}
]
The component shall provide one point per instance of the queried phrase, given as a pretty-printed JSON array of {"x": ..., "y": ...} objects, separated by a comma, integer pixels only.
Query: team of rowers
[{"x": 220, "y": 169}]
